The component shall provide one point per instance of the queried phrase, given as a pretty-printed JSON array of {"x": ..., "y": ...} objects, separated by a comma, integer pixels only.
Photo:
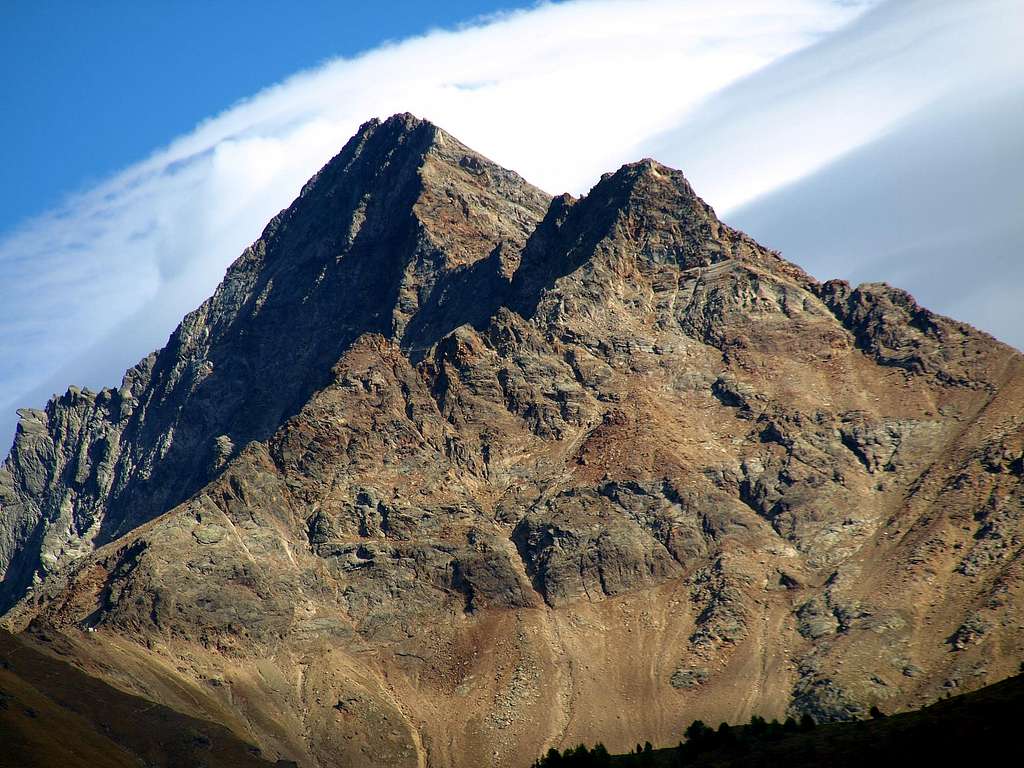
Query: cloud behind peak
[{"x": 745, "y": 95}]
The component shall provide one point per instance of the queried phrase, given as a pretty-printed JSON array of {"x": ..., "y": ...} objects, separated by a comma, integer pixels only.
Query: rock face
[
  {"x": 447, "y": 472},
  {"x": 400, "y": 234}
]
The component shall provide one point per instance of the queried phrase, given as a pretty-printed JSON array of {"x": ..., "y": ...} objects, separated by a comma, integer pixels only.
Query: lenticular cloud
[{"x": 560, "y": 93}]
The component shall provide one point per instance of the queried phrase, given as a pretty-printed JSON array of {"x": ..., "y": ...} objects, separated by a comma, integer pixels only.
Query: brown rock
[{"x": 447, "y": 473}]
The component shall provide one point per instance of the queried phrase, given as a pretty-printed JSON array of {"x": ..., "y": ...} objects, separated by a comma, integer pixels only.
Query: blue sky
[
  {"x": 88, "y": 88},
  {"x": 143, "y": 149}
]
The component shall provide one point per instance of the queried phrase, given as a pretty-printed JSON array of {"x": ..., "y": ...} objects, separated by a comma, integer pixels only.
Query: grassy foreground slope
[{"x": 52, "y": 714}]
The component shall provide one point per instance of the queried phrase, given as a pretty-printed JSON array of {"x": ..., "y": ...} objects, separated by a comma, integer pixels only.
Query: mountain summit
[
  {"x": 402, "y": 208},
  {"x": 447, "y": 472}
]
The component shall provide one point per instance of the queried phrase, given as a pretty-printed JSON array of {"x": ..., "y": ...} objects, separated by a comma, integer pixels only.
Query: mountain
[{"x": 448, "y": 472}]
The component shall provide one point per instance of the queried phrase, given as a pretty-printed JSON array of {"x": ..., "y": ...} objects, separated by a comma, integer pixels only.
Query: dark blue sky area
[{"x": 87, "y": 88}]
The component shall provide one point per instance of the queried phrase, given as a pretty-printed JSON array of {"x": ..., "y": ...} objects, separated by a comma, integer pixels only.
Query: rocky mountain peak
[
  {"x": 447, "y": 472},
  {"x": 641, "y": 224},
  {"x": 400, "y": 234}
]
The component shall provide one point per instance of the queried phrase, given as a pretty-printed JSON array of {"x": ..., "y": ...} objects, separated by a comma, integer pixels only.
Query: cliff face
[
  {"x": 447, "y": 472},
  {"x": 402, "y": 212}
]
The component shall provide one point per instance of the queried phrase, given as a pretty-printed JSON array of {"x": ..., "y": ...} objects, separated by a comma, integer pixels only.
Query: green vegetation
[{"x": 577, "y": 756}]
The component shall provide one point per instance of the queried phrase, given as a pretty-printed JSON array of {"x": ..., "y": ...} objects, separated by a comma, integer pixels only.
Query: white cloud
[
  {"x": 857, "y": 86},
  {"x": 559, "y": 92},
  {"x": 889, "y": 151},
  {"x": 934, "y": 207},
  {"x": 744, "y": 95}
]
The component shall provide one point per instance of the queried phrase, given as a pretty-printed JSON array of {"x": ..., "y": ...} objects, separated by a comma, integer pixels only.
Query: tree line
[{"x": 698, "y": 738}]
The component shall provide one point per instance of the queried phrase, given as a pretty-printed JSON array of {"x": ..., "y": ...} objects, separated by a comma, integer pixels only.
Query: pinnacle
[
  {"x": 398, "y": 128},
  {"x": 381, "y": 146},
  {"x": 377, "y": 142},
  {"x": 405, "y": 118},
  {"x": 645, "y": 174},
  {"x": 402, "y": 121}
]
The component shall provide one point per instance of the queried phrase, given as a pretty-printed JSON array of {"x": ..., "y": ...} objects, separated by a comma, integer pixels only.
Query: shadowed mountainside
[{"x": 52, "y": 714}]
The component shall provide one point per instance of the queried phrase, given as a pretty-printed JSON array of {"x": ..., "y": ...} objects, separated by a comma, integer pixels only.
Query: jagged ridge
[
  {"x": 443, "y": 456},
  {"x": 370, "y": 237}
]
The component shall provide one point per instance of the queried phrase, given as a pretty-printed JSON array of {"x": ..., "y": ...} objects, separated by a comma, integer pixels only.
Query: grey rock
[{"x": 684, "y": 678}]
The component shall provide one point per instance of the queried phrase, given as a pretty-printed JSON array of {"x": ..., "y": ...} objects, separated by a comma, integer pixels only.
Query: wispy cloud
[
  {"x": 854, "y": 87},
  {"x": 558, "y": 92},
  {"x": 889, "y": 151},
  {"x": 934, "y": 206},
  {"x": 744, "y": 95}
]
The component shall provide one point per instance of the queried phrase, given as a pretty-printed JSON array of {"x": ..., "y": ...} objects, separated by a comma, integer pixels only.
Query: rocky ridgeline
[{"x": 449, "y": 471}]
